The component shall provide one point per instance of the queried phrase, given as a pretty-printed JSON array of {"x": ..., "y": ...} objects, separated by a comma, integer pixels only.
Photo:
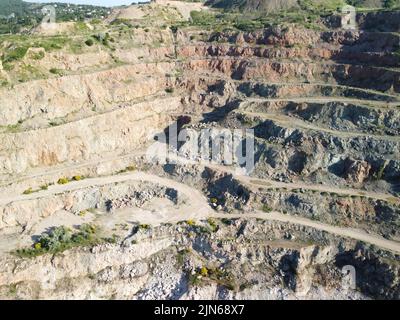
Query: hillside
[
  {"x": 19, "y": 16},
  {"x": 8, "y": 7},
  {"x": 276, "y": 5},
  {"x": 176, "y": 151}
]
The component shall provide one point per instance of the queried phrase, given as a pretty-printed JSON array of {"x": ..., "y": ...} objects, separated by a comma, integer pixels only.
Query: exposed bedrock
[
  {"x": 347, "y": 211},
  {"x": 274, "y": 132},
  {"x": 261, "y": 258},
  {"x": 107, "y": 134},
  {"x": 343, "y": 55},
  {"x": 311, "y": 158},
  {"x": 373, "y": 273},
  {"x": 344, "y": 116},
  {"x": 324, "y": 106},
  {"x": 291, "y": 90},
  {"x": 278, "y": 71},
  {"x": 104, "y": 90},
  {"x": 107, "y": 197}
]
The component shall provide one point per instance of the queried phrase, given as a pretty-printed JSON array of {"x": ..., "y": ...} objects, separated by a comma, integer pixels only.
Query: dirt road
[{"x": 197, "y": 207}]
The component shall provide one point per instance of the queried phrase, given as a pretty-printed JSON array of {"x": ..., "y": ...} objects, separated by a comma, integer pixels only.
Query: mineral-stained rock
[{"x": 357, "y": 171}]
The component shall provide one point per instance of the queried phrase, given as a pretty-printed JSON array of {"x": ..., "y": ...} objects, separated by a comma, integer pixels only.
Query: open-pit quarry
[{"x": 85, "y": 213}]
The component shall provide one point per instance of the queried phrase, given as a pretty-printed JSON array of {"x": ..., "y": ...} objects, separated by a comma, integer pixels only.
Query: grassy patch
[
  {"x": 61, "y": 239},
  {"x": 56, "y": 71},
  {"x": 14, "y": 54},
  {"x": 13, "y": 128}
]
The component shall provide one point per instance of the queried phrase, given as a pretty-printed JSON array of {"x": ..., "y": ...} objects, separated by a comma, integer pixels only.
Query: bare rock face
[
  {"x": 324, "y": 110},
  {"x": 357, "y": 171},
  {"x": 255, "y": 5}
]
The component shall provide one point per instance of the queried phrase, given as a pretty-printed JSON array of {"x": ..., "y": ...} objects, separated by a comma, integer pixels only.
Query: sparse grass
[
  {"x": 12, "y": 289},
  {"x": 13, "y": 128},
  {"x": 213, "y": 225},
  {"x": 56, "y": 71},
  {"x": 37, "y": 55},
  {"x": 266, "y": 208},
  {"x": 15, "y": 54},
  {"x": 128, "y": 169},
  {"x": 182, "y": 256},
  {"x": 28, "y": 191}
]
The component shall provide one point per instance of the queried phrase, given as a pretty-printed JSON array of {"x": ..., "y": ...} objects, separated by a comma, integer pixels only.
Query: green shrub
[
  {"x": 226, "y": 221},
  {"x": 89, "y": 42},
  {"x": 202, "y": 18},
  {"x": 214, "y": 200},
  {"x": 204, "y": 271},
  {"x": 56, "y": 71},
  {"x": 213, "y": 225},
  {"x": 82, "y": 213},
  {"x": 63, "y": 181},
  {"x": 130, "y": 168},
  {"x": 15, "y": 54},
  {"x": 28, "y": 191},
  {"x": 61, "y": 239},
  {"x": 266, "y": 208}
]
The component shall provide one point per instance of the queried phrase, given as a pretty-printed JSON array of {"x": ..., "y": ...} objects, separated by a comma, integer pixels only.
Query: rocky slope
[{"x": 77, "y": 119}]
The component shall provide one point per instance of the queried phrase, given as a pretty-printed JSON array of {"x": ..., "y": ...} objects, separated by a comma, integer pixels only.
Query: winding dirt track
[
  {"x": 249, "y": 181},
  {"x": 199, "y": 205},
  {"x": 292, "y": 122},
  {"x": 343, "y": 232}
]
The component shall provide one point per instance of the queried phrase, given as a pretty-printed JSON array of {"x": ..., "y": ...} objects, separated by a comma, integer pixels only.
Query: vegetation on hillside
[
  {"x": 17, "y": 15},
  {"x": 248, "y": 15},
  {"x": 306, "y": 13},
  {"x": 277, "y": 5},
  {"x": 62, "y": 238}
]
